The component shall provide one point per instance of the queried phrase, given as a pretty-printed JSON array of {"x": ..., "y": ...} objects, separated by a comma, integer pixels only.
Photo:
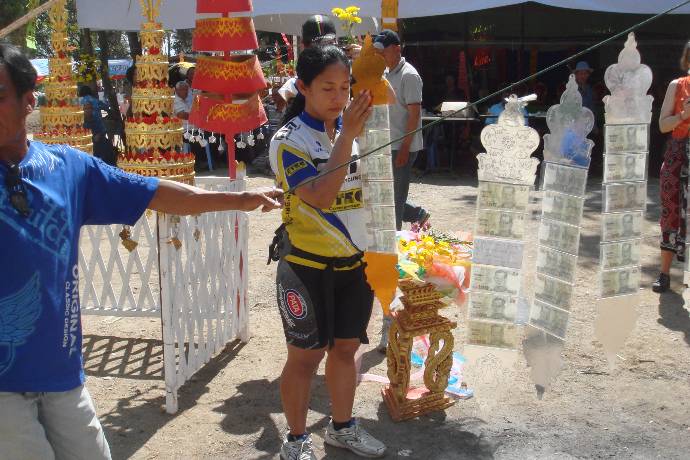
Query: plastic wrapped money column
[
  {"x": 626, "y": 146},
  {"x": 506, "y": 175},
  {"x": 567, "y": 154},
  {"x": 381, "y": 253}
]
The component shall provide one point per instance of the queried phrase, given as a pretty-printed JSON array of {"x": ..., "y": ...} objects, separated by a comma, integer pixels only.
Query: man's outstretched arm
[{"x": 181, "y": 199}]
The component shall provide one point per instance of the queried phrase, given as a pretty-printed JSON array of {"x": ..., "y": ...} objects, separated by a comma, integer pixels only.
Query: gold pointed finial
[
  {"x": 58, "y": 16},
  {"x": 150, "y": 9}
]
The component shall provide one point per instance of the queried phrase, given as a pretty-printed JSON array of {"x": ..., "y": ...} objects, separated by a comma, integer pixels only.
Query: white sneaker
[
  {"x": 297, "y": 450},
  {"x": 356, "y": 439}
]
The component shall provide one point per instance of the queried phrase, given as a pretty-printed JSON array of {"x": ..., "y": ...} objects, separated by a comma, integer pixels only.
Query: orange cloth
[{"x": 682, "y": 93}]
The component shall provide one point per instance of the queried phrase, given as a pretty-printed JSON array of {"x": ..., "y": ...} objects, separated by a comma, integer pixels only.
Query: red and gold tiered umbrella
[{"x": 230, "y": 81}]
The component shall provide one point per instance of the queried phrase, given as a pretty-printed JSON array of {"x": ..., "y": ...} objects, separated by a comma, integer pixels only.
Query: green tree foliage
[
  {"x": 182, "y": 41},
  {"x": 14, "y": 9},
  {"x": 10, "y": 11}
]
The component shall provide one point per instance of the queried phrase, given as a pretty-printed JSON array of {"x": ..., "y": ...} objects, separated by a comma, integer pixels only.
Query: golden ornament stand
[
  {"x": 62, "y": 120},
  {"x": 154, "y": 135},
  {"x": 421, "y": 302}
]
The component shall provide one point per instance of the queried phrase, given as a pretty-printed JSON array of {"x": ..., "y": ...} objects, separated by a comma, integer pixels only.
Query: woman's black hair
[
  {"x": 310, "y": 64},
  {"x": 19, "y": 68},
  {"x": 84, "y": 91}
]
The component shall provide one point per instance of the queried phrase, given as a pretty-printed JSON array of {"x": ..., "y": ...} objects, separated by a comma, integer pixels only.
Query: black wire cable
[{"x": 497, "y": 93}]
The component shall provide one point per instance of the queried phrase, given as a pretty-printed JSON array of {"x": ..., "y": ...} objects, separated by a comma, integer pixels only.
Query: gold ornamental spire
[
  {"x": 58, "y": 16},
  {"x": 150, "y": 9}
]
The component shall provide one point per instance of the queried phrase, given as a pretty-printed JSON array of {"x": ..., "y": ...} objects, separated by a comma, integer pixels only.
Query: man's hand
[
  {"x": 268, "y": 199},
  {"x": 183, "y": 200},
  {"x": 403, "y": 155}
]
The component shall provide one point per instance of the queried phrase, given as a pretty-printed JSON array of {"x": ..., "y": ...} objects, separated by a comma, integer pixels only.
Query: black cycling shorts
[{"x": 301, "y": 301}]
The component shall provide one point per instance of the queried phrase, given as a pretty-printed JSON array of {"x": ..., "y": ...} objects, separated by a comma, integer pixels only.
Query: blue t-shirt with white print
[{"x": 40, "y": 324}]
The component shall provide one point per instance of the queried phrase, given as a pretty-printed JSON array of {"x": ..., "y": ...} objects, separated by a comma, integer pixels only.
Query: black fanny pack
[{"x": 281, "y": 247}]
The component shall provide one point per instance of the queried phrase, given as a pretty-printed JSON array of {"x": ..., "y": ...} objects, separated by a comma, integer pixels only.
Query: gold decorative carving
[
  {"x": 154, "y": 141},
  {"x": 58, "y": 16},
  {"x": 178, "y": 170},
  {"x": 149, "y": 105},
  {"x": 164, "y": 139},
  {"x": 60, "y": 91},
  {"x": 60, "y": 67},
  {"x": 152, "y": 71},
  {"x": 419, "y": 316},
  {"x": 56, "y": 117}
]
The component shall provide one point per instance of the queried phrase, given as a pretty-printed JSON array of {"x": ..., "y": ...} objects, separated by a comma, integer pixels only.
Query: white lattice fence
[
  {"x": 115, "y": 281},
  {"x": 204, "y": 286},
  {"x": 191, "y": 270}
]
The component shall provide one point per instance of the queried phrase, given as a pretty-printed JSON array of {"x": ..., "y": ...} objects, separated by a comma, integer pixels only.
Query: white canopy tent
[{"x": 287, "y": 16}]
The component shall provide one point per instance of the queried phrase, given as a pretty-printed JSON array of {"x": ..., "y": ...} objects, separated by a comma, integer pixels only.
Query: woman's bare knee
[
  {"x": 344, "y": 349},
  {"x": 305, "y": 360}
]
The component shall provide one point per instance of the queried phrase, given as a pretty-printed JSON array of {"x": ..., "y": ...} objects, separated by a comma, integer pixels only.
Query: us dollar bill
[
  {"x": 625, "y": 167},
  {"x": 620, "y": 282},
  {"x": 509, "y": 197},
  {"x": 630, "y": 196},
  {"x": 549, "y": 318},
  {"x": 570, "y": 180},
  {"x": 620, "y": 226},
  {"x": 489, "y": 305},
  {"x": 559, "y": 235},
  {"x": 491, "y": 334},
  {"x": 626, "y": 138},
  {"x": 500, "y": 224},
  {"x": 561, "y": 207},
  {"x": 379, "y": 216},
  {"x": 621, "y": 254},
  {"x": 553, "y": 291},
  {"x": 378, "y": 193},
  {"x": 556, "y": 263},
  {"x": 377, "y": 167},
  {"x": 495, "y": 279}
]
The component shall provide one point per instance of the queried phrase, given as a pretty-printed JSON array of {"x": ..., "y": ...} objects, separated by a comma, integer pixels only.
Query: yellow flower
[
  {"x": 337, "y": 11},
  {"x": 357, "y": 19},
  {"x": 352, "y": 9}
]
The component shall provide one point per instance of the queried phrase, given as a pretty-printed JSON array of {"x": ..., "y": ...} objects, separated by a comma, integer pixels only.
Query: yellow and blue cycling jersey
[{"x": 299, "y": 151}]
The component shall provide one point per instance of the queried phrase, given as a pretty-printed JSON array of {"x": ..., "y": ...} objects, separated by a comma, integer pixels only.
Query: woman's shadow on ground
[
  {"x": 253, "y": 409},
  {"x": 672, "y": 314}
]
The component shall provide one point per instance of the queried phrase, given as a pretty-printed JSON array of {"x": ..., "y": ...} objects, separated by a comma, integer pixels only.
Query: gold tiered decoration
[
  {"x": 62, "y": 118},
  {"x": 154, "y": 135},
  {"x": 421, "y": 302}
]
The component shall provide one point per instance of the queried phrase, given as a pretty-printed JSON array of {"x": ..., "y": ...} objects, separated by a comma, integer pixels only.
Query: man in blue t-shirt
[{"x": 47, "y": 192}]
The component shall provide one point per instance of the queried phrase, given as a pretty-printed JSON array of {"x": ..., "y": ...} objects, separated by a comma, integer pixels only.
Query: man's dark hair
[
  {"x": 316, "y": 29},
  {"x": 19, "y": 68}
]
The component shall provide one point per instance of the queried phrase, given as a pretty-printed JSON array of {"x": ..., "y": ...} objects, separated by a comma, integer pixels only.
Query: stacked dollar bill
[
  {"x": 377, "y": 182},
  {"x": 624, "y": 199}
]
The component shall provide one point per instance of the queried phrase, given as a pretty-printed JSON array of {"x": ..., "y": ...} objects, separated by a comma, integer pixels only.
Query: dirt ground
[{"x": 231, "y": 408}]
